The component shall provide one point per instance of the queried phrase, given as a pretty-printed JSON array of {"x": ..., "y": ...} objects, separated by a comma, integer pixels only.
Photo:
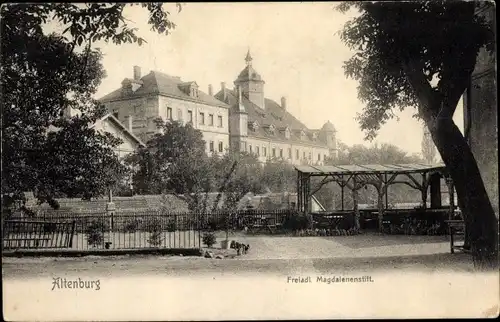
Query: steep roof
[
  {"x": 272, "y": 114},
  {"x": 120, "y": 125},
  {"x": 160, "y": 83}
]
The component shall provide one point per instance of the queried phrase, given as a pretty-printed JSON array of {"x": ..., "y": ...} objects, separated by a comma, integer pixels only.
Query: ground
[{"x": 411, "y": 276}]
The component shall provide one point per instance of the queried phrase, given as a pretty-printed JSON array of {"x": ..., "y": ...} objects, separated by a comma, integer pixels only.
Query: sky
[{"x": 295, "y": 48}]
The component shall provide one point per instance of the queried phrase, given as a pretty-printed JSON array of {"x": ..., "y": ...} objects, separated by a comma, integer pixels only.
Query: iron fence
[
  {"x": 24, "y": 233},
  {"x": 157, "y": 228}
]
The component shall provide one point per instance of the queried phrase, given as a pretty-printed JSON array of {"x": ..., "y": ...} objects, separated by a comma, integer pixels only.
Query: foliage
[
  {"x": 298, "y": 221},
  {"x": 154, "y": 226},
  {"x": 43, "y": 77},
  {"x": 441, "y": 37},
  {"x": 279, "y": 176},
  {"x": 209, "y": 239},
  {"x": 95, "y": 231},
  {"x": 131, "y": 225},
  {"x": 174, "y": 161}
]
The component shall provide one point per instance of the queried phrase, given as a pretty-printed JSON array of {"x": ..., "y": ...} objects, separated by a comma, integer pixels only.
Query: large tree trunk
[{"x": 480, "y": 220}]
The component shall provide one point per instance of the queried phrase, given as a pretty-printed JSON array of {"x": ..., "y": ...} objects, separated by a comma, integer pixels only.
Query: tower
[
  {"x": 328, "y": 134},
  {"x": 238, "y": 123},
  {"x": 251, "y": 83}
]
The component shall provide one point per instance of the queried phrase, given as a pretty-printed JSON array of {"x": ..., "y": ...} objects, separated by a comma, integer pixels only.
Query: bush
[
  {"x": 297, "y": 221},
  {"x": 95, "y": 231},
  {"x": 209, "y": 239},
  {"x": 155, "y": 228},
  {"x": 131, "y": 225}
]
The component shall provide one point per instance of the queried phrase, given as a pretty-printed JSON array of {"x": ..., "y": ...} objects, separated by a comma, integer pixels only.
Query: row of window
[
  {"x": 273, "y": 153},
  {"x": 190, "y": 117},
  {"x": 220, "y": 146}
]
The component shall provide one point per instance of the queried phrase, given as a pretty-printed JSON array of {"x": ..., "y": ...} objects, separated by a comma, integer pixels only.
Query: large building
[
  {"x": 261, "y": 126},
  {"x": 481, "y": 111},
  {"x": 142, "y": 100},
  {"x": 238, "y": 119}
]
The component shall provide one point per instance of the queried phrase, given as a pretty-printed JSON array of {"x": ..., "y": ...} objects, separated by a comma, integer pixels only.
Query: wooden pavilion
[{"x": 381, "y": 176}]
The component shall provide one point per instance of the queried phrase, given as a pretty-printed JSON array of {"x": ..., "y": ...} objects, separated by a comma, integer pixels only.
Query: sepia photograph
[{"x": 249, "y": 160}]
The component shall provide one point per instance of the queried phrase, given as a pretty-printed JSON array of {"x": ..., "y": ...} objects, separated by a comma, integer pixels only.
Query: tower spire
[{"x": 248, "y": 58}]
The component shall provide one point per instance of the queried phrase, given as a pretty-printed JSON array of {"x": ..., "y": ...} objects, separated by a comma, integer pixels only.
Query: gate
[{"x": 22, "y": 234}]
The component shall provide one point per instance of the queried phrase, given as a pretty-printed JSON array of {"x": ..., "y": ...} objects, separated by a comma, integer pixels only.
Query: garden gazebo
[{"x": 381, "y": 176}]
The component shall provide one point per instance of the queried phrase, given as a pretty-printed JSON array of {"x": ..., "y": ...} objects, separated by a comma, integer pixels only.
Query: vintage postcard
[{"x": 249, "y": 161}]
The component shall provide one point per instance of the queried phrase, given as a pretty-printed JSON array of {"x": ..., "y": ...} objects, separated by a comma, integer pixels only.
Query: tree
[
  {"x": 428, "y": 149},
  {"x": 279, "y": 175},
  {"x": 174, "y": 161},
  {"x": 422, "y": 54},
  {"x": 45, "y": 75}
]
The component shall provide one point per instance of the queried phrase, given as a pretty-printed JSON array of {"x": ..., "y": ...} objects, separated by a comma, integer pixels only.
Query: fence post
[{"x": 110, "y": 212}]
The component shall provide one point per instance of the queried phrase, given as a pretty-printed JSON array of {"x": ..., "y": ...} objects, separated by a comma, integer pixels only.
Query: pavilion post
[
  {"x": 342, "y": 193},
  {"x": 355, "y": 208},
  {"x": 298, "y": 191},
  {"x": 386, "y": 191},
  {"x": 424, "y": 191},
  {"x": 381, "y": 189}
]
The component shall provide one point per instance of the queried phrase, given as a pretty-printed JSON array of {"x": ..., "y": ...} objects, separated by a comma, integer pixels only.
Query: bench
[
  {"x": 456, "y": 227},
  {"x": 36, "y": 240}
]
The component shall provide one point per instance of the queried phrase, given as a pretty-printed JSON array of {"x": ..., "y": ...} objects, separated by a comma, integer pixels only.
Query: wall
[
  {"x": 480, "y": 119},
  {"x": 277, "y": 145},
  {"x": 211, "y": 133},
  {"x": 143, "y": 111},
  {"x": 127, "y": 146}
]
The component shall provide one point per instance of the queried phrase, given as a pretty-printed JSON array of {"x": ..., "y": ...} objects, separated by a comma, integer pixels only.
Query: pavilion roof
[{"x": 368, "y": 168}]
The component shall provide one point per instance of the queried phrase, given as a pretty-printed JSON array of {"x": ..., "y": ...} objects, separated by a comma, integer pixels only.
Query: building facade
[
  {"x": 481, "y": 111},
  {"x": 265, "y": 128},
  {"x": 142, "y": 100},
  {"x": 238, "y": 119}
]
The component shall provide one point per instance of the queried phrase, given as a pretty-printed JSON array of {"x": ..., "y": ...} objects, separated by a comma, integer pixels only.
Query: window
[
  {"x": 190, "y": 116},
  {"x": 304, "y": 155},
  {"x": 289, "y": 153},
  {"x": 179, "y": 114},
  {"x": 319, "y": 157},
  {"x": 210, "y": 119},
  {"x": 264, "y": 151},
  {"x": 219, "y": 120},
  {"x": 250, "y": 148},
  {"x": 221, "y": 147},
  {"x": 281, "y": 153},
  {"x": 297, "y": 154},
  {"x": 243, "y": 146},
  {"x": 169, "y": 113},
  {"x": 211, "y": 146},
  {"x": 310, "y": 156},
  {"x": 324, "y": 157},
  {"x": 257, "y": 150},
  {"x": 274, "y": 153},
  {"x": 202, "y": 118}
]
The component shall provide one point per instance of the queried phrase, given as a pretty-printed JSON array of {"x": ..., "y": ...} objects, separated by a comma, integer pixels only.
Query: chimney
[
  {"x": 283, "y": 103},
  {"x": 129, "y": 123},
  {"x": 137, "y": 72},
  {"x": 210, "y": 90},
  {"x": 222, "y": 86}
]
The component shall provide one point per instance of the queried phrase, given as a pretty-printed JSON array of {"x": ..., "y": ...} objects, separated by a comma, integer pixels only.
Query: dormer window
[
  {"x": 302, "y": 135},
  {"x": 190, "y": 88},
  {"x": 287, "y": 133},
  {"x": 254, "y": 126},
  {"x": 315, "y": 136},
  {"x": 272, "y": 129}
]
